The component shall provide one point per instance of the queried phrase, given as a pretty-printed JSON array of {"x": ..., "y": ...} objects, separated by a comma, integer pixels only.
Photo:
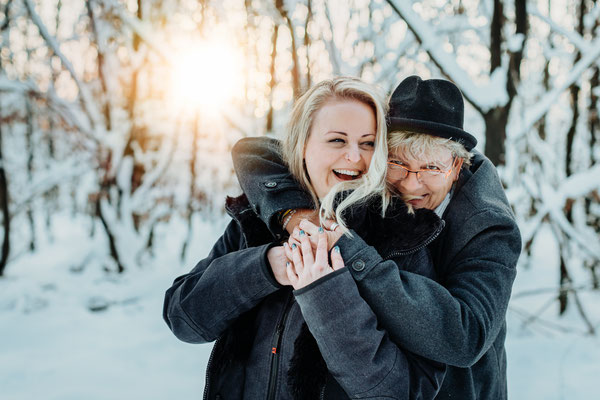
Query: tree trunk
[
  {"x": 4, "y": 205},
  {"x": 295, "y": 63},
  {"x": 193, "y": 174},
  {"x": 273, "y": 81},
  {"x": 574, "y": 89},
  {"x": 495, "y": 134},
  {"x": 307, "y": 43},
  {"x": 30, "y": 149},
  {"x": 102, "y": 78}
]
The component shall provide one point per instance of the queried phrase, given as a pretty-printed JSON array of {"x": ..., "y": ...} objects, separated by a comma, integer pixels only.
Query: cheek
[
  {"x": 368, "y": 156},
  {"x": 315, "y": 167}
]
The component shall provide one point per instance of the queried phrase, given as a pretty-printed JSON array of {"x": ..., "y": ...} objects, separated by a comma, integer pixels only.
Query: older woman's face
[
  {"x": 340, "y": 144},
  {"x": 423, "y": 192}
]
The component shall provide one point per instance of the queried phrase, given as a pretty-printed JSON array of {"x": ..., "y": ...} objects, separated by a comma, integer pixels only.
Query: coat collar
[
  {"x": 254, "y": 230},
  {"x": 399, "y": 231}
]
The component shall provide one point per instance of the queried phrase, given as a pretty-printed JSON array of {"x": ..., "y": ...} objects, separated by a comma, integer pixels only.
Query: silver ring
[{"x": 334, "y": 226}]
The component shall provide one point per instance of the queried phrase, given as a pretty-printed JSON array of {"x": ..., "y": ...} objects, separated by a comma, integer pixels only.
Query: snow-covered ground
[{"x": 54, "y": 347}]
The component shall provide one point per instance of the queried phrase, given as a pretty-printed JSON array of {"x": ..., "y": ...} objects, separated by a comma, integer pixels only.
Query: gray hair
[
  {"x": 372, "y": 183},
  {"x": 421, "y": 146}
]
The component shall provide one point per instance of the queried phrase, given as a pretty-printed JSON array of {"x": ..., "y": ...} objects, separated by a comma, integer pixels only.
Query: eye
[
  {"x": 369, "y": 144},
  {"x": 432, "y": 167},
  {"x": 337, "y": 140}
]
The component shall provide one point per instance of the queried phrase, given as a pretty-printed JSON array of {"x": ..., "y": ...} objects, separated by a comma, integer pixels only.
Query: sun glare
[{"x": 205, "y": 76}]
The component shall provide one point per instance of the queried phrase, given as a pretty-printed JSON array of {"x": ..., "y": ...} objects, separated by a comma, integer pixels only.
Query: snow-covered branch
[
  {"x": 541, "y": 108},
  {"x": 86, "y": 97},
  {"x": 139, "y": 27},
  {"x": 570, "y": 34},
  {"x": 482, "y": 97},
  {"x": 70, "y": 113}
]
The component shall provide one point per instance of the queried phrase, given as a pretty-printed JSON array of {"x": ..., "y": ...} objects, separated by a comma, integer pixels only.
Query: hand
[
  {"x": 277, "y": 261},
  {"x": 306, "y": 268},
  {"x": 312, "y": 230},
  {"x": 299, "y": 215}
]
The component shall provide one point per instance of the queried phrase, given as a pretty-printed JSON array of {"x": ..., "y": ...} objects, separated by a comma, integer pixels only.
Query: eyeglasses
[{"x": 398, "y": 171}]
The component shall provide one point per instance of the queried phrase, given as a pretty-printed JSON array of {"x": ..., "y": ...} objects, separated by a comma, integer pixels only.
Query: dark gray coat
[
  {"x": 333, "y": 352},
  {"x": 458, "y": 320}
]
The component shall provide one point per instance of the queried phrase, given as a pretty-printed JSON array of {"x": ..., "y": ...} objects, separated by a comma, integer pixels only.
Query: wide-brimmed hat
[{"x": 432, "y": 106}]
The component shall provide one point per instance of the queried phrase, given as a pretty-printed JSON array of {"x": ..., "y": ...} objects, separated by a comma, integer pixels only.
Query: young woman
[{"x": 302, "y": 330}]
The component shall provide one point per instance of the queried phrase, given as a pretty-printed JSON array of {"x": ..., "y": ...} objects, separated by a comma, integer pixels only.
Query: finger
[
  {"x": 307, "y": 252},
  {"x": 337, "y": 262},
  {"x": 291, "y": 273},
  {"x": 309, "y": 227},
  {"x": 297, "y": 259},
  {"x": 333, "y": 237},
  {"x": 288, "y": 251},
  {"x": 321, "y": 257},
  {"x": 294, "y": 233},
  {"x": 330, "y": 224}
]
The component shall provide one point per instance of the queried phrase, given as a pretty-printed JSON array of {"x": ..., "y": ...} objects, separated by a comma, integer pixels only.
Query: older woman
[
  {"x": 460, "y": 319},
  {"x": 321, "y": 340}
]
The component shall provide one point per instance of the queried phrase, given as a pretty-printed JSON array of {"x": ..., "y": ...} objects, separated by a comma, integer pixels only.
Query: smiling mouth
[
  {"x": 346, "y": 174},
  {"x": 411, "y": 198}
]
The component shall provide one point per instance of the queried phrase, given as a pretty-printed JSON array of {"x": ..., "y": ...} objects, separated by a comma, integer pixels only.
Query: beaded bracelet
[{"x": 287, "y": 219}]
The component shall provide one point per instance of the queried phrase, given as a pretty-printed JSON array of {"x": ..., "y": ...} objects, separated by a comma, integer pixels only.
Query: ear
[{"x": 459, "y": 164}]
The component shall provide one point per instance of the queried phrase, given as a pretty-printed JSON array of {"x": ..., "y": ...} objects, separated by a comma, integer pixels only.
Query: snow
[{"x": 54, "y": 347}]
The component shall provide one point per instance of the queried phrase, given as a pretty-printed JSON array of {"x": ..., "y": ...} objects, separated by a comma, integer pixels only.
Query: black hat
[{"x": 433, "y": 106}]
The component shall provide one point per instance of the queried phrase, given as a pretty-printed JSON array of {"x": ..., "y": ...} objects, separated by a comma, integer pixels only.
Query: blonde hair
[
  {"x": 421, "y": 146},
  {"x": 370, "y": 184}
]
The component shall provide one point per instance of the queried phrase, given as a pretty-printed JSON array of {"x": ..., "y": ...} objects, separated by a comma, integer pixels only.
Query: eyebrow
[
  {"x": 423, "y": 163},
  {"x": 345, "y": 134}
]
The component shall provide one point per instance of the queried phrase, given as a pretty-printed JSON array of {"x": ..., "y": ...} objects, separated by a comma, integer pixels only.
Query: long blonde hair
[{"x": 372, "y": 183}]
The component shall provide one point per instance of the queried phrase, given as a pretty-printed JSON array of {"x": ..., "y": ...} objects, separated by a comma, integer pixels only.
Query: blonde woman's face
[{"x": 340, "y": 144}]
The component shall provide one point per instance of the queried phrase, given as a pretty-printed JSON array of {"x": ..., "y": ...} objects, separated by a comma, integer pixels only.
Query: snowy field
[{"x": 54, "y": 347}]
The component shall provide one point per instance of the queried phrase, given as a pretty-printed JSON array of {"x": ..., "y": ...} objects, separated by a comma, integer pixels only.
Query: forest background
[{"x": 116, "y": 123}]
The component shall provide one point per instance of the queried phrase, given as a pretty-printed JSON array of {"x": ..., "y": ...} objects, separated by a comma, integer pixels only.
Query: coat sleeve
[
  {"x": 360, "y": 355},
  {"x": 456, "y": 320},
  {"x": 266, "y": 180},
  {"x": 200, "y": 305}
]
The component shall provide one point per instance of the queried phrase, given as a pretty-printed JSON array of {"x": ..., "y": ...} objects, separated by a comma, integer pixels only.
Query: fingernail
[
  {"x": 293, "y": 245},
  {"x": 336, "y": 249},
  {"x": 301, "y": 232},
  {"x": 321, "y": 229}
]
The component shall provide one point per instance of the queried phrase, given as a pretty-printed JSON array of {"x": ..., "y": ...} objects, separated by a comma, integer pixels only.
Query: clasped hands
[{"x": 304, "y": 259}]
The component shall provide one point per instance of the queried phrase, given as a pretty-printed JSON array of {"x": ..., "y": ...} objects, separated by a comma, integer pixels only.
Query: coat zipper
[
  {"x": 276, "y": 347},
  {"x": 208, "y": 366},
  {"x": 419, "y": 247}
]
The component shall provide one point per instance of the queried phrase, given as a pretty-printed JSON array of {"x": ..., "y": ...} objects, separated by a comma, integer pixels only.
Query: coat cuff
[
  {"x": 359, "y": 257},
  {"x": 265, "y": 267}
]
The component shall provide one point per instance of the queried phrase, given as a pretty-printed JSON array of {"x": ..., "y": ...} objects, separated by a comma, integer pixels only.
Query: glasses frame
[{"x": 395, "y": 166}]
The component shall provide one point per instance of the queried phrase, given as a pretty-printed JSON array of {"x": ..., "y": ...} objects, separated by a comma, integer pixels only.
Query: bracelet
[
  {"x": 282, "y": 214},
  {"x": 287, "y": 219}
]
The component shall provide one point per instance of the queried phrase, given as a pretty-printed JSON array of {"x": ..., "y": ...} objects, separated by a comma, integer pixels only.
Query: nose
[
  {"x": 353, "y": 155},
  {"x": 410, "y": 183}
]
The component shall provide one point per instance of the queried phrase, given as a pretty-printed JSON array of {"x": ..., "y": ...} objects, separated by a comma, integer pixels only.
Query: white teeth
[{"x": 346, "y": 172}]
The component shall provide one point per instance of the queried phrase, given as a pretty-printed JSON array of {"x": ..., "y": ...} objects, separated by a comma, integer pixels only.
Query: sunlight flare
[{"x": 205, "y": 76}]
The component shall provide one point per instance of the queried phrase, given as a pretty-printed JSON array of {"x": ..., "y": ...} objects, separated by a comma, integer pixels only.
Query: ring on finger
[{"x": 334, "y": 226}]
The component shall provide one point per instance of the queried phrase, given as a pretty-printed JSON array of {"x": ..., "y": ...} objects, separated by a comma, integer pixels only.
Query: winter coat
[
  {"x": 273, "y": 340},
  {"x": 460, "y": 320}
]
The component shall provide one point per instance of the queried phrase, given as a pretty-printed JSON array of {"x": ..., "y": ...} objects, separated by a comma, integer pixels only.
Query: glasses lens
[
  {"x": 397, "y": 171},
  {"x": 431, "y": 176}
]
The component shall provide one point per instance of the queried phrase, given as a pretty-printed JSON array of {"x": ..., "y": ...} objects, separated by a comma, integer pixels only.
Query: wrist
[{"x": 286, "y": 218}]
